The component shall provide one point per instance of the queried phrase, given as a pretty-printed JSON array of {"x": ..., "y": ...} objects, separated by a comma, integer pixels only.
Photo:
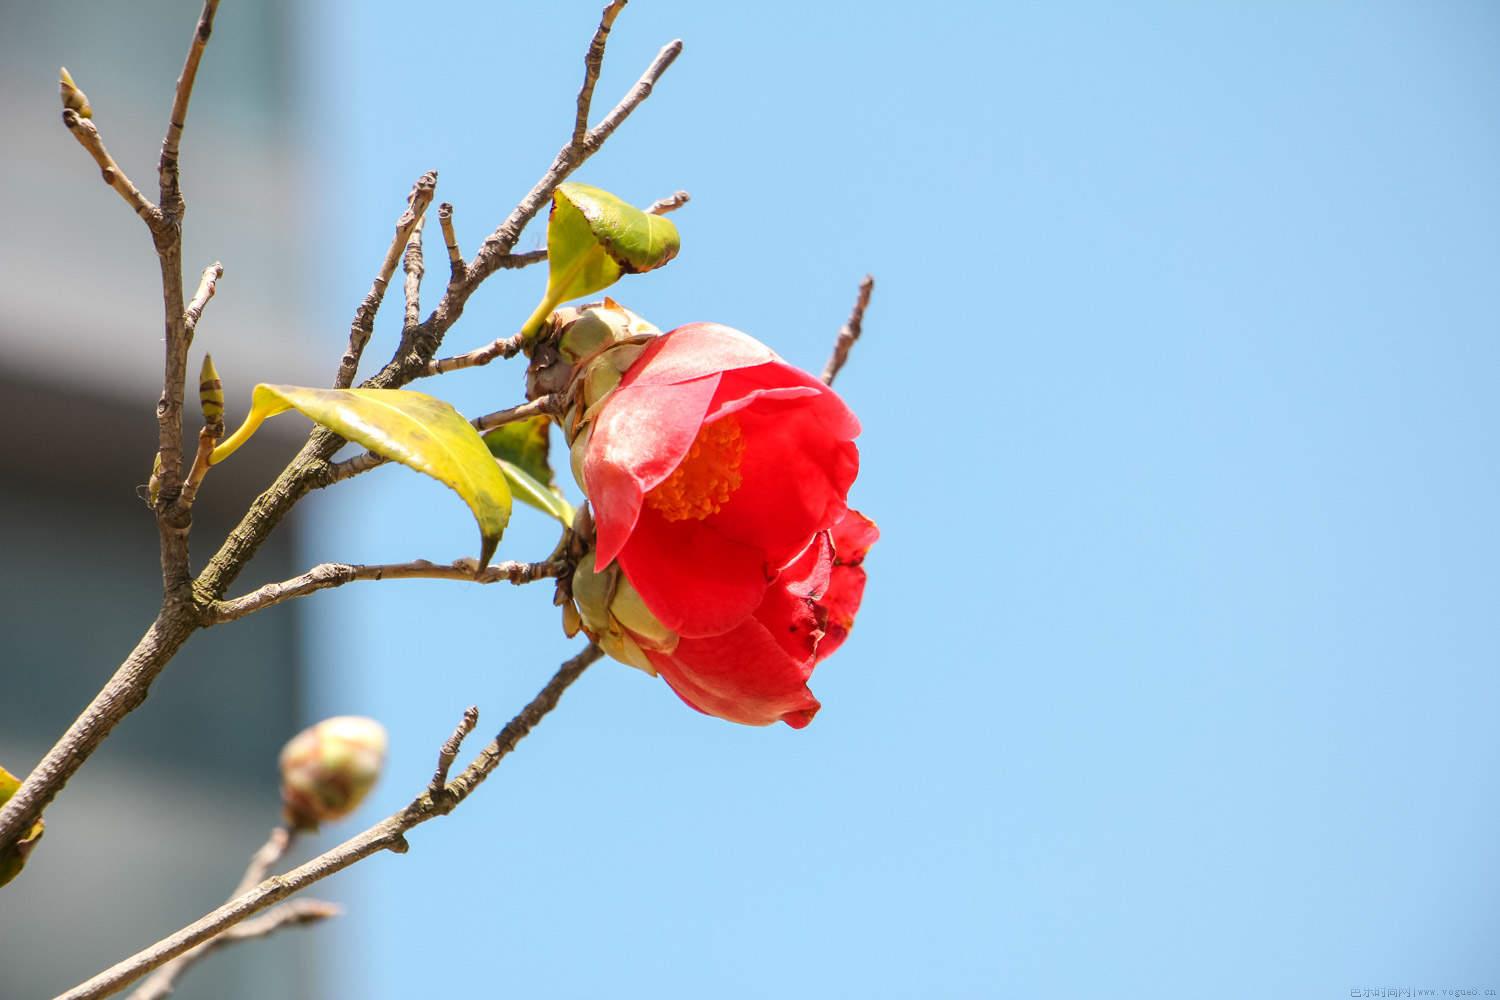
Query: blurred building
[{"x": 156, "y": 829}]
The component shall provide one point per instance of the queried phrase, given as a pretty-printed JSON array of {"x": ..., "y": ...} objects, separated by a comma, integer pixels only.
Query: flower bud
[
  {"x": 211, "y": 394},
  {"x": 584, "y": 331},
  {"x": 73, "y": 99},
  {"x": 614, "y": 616},
  {"x": 327, "y": 769}
]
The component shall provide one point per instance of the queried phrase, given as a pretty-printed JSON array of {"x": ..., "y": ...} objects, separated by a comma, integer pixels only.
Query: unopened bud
[
  {"x": 614, "y": 616},
  {"x": 211, "y": 394},
  {"x": 73, "y": 99},
  {"x": 327, "y": 769},
  {"x": 584, "y": 331},
  {"x": 153, "y": 485}
]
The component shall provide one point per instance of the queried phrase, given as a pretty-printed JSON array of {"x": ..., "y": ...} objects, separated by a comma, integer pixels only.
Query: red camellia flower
[{"x": 718, "y": 475}]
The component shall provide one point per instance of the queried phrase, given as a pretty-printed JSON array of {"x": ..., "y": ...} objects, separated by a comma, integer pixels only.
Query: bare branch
[
  {"x": 163, "y": 981},
  {"x": 671, "y": 203},
  {"x": 849, "y": 332},
  {"x": 502, "y": 348},
  {"x": 493, "y": 254},
  {"x": 450, "y": 239},
  {"x": 185, "y": 599},
  {"x": 364, "y": 462},
  {"x": 264, "y": 858},
  {"x": 364, "y": 317},
  {"x": 327, "y": 575},
  {"x": 167, "y": 167},
  {"x": 438, "y": 786},
  {"x": 414, "y": 271},
  {"x": 593, "y": 60},
  {"x": 387, "y": 835},
  {"x": 208, "y": 283},
  {"x": 87, "y": 134}
]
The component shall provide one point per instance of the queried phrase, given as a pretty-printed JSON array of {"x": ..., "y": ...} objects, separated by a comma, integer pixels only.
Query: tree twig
[
  {"x": 177, "y": 619},
  {"x": 87, "y": 134},
  {"x": 438, "y": 786},
  {"x": 509, "y": 347},
  {"x": 181, "y": 613},
  {"x": 849, "y": 332},
  {"x": 208, "y": 283},
  {"x": 495, "y": 250},
  {"x": 364, "y": 317},
  {"x": 387, "y": 835},
  {"x": 168, "y": 167},
  {"x": 671, "y": 203},
  {"x": 327, "y": 575},
  {"x": 414, "y": 271},
  {"x": 450, "y": 240},
  {"x": 297, "y": 912}
]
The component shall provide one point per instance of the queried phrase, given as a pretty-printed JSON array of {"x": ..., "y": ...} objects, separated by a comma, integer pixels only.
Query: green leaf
[
  {"x": 634, "y": 240},
  {"x": 594, "y": 237},
  {"x": 524, "y": 443},
  {"x": 412, "y": 428},
  {"x": 521, "y": 446},
  {"x": 529, "y": 490},
  {"x": 13, "y": 858}
]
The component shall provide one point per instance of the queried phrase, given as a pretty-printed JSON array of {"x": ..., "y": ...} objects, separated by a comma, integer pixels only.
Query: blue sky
[{"x": 1177, "y": 669}]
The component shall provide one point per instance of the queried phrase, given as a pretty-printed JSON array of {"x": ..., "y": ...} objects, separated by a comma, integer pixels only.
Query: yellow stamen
[{"x": 707, "y": 477}]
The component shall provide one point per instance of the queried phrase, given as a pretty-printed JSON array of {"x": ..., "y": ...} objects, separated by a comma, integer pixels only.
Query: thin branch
[
  {"x": 298, "y": 912},
  {"x": 437, "y": 787},
  {"x": 414, "y": 271},
  {"x": 497, "y": 247},
  {"x": 128, "y": 686},
  {"x": 671, "y": 203},
  {"x": 295, "y": 913},
  {"x": 264, "y": 859},
  {"x": 849, "y": 332},
  {"x": 171, "y": 192},
  {"x": 365, "y": 461},
  {"x": 181, "y": 612},
  {"x": 208, "y": 283},
  {"x": 502, "y": 348},
  {"x": 327, "y": 575},
  {"x": 87, "y": 134},
  {"x": 364, "y": 317},
  {"x": 593, "y": 60},
  {"x": 509, "y": 347},
  {"x": 387, "y": 835},
  {"x": 450, "y": 239}
]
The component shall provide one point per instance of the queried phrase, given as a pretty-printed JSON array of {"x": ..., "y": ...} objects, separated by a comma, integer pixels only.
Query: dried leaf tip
[
  {"x": 73, "y": 99},
  {"x": 211, "y": 393}
]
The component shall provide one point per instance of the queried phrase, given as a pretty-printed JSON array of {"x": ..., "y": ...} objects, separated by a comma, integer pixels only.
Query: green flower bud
[
  {"x": 211, "y": 393},
  {"x": 614, "y": 616},
  {"x": 73, "y": 99},
  {"x": 327, "y": 769},
  {"x": 583, "y": 331}
]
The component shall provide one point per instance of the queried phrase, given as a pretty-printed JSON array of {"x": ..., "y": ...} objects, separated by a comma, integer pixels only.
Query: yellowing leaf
[
  {"x": 529, "y": 490},
  {"x": 594, "y": 237},
  {"x": 412, "y": 428},
  {"x": 521, "y": 447},
  {"x": 13, "y": 859}
]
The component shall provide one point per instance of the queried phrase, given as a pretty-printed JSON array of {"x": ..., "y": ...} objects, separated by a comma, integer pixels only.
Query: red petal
[
  {"x": 639, "y": 437},
  {"x": 795, "y": 478},
  {"x": 743, "y": 676},
  {"x": 696, "y": 350},
  {"x": 696, "y": 580},
  {"x": 852, "y": 538}
]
